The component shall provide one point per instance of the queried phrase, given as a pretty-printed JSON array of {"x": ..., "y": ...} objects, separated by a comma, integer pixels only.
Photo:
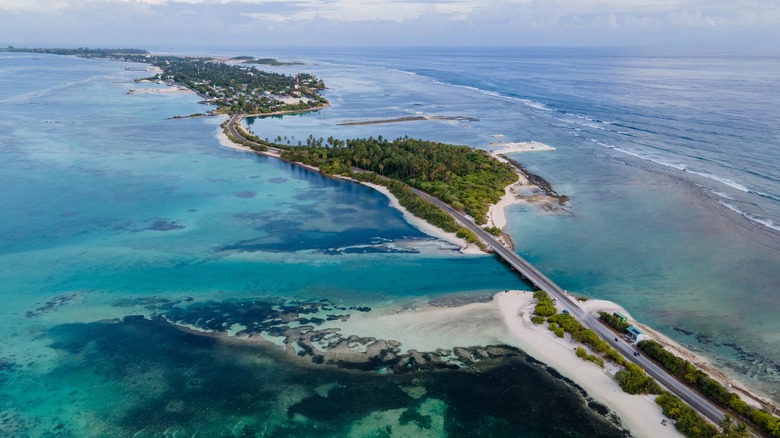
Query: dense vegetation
[
  {"x": 584, "y": 355},
  {"x": 545, "y": 308},
  {"x": 233, "y": 88},
  {"x": 688, "y": 372},
  {"x": 468, "y": 179},
  {"x": 83, "y": 52},
  {"x": 419, "y": 206},
  {"x": 241, "y": 88},
  {"x": 263, "y": 61},
  {"x": 633, "y": 380},
  {"x": 687, "y": 421},
  {"x": 614, "y": 322}
]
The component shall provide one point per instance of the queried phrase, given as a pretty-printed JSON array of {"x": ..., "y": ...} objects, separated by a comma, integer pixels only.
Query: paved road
[
  {"x": 542, "y": 282},
  {"x": 231, "y": 127}
]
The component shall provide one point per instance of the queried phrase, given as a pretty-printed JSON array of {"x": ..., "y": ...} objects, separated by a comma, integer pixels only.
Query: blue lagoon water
[
  {"x": 670, "y": 157},
  {"x": 110, "y": 209},
  {"x": 114, "y": 216}
]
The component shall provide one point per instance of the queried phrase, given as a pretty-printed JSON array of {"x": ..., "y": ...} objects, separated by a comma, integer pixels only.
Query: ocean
[
  {"x": 670, "y": 157},
  {"x": 115, "y": 216}
]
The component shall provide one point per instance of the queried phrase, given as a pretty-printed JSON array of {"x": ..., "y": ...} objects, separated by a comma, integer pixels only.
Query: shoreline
[
  {"x": 751, "y": 397},
  {"x": 506, "y": 320},
  {"x": 526, "y": 189},
  {"x": 421, "y": 335},
  {"x": 511, "y": 147},
  {"x": 496, "y": 215},
  {"x": 541, "y": 350},
  {"x": 284, "y": 112},
  {"x": 405, "y": 119},
  {"x": 166, "y": 90},
  {"x": 420, "y": 224}
]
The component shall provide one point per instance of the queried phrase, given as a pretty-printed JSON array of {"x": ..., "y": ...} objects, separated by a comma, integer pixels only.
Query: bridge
[{"x": 541, "y": 281}]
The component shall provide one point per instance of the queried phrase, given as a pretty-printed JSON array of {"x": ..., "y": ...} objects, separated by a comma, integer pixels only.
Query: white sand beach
[
  {"x": 506, "y": 320},
  {"x": 169, "y": 89},
  {"x": 496, "y": 216},
  {"x": 420, "y": 224},
  {"x": 510, "y": 147},
  {"x": 750, "y": 397}
]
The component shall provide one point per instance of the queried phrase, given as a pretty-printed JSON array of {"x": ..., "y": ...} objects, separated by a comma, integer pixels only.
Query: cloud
[{"x": 384, "y": 22}]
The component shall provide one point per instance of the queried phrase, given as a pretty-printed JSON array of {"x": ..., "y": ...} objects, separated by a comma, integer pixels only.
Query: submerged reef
[
  {"x": 169, "y": 380},
  {"x": 276, "y": 368}
]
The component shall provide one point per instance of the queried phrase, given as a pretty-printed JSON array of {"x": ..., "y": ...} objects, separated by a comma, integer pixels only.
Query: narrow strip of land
[
  {"x": 405, "y": 119},
  {"x": 542, "y": 282}
]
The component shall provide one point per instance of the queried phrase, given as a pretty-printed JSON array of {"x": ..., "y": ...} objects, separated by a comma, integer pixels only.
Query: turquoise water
[
  {"x": 113, "y": 215},
  {"x": 110, "y": 210},
  {"x": 670, "y": 159}
]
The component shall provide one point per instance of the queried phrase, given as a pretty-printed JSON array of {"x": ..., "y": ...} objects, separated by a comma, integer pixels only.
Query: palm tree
[
  {"x": 726, "y": 424},
  {"x": 740, "y": 431}
]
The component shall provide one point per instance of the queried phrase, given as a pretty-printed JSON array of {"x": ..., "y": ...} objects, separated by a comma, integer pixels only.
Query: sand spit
[
  {"x": 506, "y": 320},
  {"x": 405, "y": 119},
  {"x": 508, "y": 147},
  {"x": 528, "y": 188},
  {"x": 412, "y": 339},
  {"x": 166, "y": 90}
]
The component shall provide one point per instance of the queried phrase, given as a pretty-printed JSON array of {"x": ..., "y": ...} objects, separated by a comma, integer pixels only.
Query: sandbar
[
  {"x": 510, "y": 147},
  {"x": 170, "y": 89},
  {"x": 506, "y": 320},
  {"x": 405, "y": 119}
]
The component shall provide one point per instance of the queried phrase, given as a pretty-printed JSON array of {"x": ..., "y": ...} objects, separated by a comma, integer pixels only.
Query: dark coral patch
[{"x": 245, "y": 194}]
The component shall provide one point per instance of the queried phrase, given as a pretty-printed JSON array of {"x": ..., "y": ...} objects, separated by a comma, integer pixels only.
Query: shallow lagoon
[
  {"x": 112, "y": 213},
  {"x": 654, "y": 163}
]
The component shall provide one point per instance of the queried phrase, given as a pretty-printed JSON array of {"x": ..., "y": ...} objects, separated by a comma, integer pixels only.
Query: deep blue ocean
[{"x": 671, "y": 159}]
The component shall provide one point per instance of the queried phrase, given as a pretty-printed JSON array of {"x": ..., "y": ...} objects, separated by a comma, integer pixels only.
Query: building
[
  {"x": 620, "y": 316},
  {"x": 635, "y": 334}
]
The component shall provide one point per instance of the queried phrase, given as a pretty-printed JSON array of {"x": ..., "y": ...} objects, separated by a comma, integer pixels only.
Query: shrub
[
  {"x": 582, "y": 354},
  {"x": 544, "y": 310},
  {"x": 537, "y": 319},
  {"x": 687, "y": 421},
  {"x": 494, "y": 230},
  {"x": 711, "y": 387},
  {"x": 613, "y": 321},
  {"x": 568, "y": 322},
  {"x": 544, "y": 304},
  {"x": 633, "y": 380},
  {"x": 615, "y": 356}
]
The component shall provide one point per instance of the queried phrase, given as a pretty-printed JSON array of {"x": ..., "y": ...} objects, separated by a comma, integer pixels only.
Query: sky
[{"x": 274, "y": 23}]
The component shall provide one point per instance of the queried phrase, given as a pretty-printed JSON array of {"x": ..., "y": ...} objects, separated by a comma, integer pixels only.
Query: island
[
  {"x": 231, "y": 87},
  {"x": 454, "y": 188}
]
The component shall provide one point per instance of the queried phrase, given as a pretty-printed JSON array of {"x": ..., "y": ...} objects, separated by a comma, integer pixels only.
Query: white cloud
[{"x": 325, "y": 22}]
